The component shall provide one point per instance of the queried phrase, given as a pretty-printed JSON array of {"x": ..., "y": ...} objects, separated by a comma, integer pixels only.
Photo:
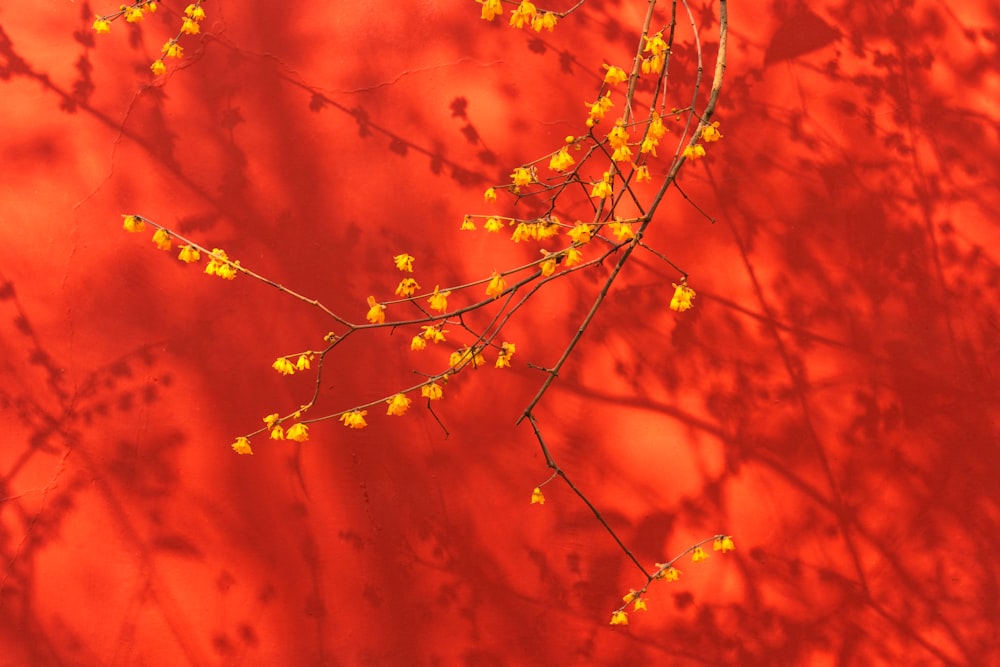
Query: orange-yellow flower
[
  {"x": 711, "y": 133},
  {"x": 619, "y": 618},
  {"x": 376, "y": 311},
  {"x": 439, "y": 300},
  {"x": 614, "y": 75},
  {"x": 493, "y": 224},
  {"x": 158, "y": 67},
  {"x": 723, "y": 543},
  {"x": 354, "y": 419},
  {"x": 242, "y": 446},
  {"x": 581, "y": 233},
  {"x": 432, "y": 391},
  {"x": 523, "y": 15},
  {"x": 683, "y": 295},
  {"x": 698, "y": 555},
  {"x": 491, "y": 9},
  {"x": 562, "y": 160},
  {"x": 398, "y": 405},
  {"x": 404, "y": 262},
  {"x": 496, "y": 286},
  {"x": 407, "y": 287},
  {"x": 694, "y": 152},
  {"x": 283, "y": 366},
  {"x": 161, "y": 238},
  {"x": 468, "y": 224},
  {"x": 133, "y": 223},
  {"x": 298, "y": 432},
  {"x": 537, "y": 498},
  {"x": 101, "y": 26},
  {"x": 490, "y": 195},
  {"x": 521, "y": 176},
  {"x": 506, "y": 352}
]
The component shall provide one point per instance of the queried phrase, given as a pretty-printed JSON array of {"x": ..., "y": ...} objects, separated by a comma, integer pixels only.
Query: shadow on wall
[{"x": 831, "y": 400}]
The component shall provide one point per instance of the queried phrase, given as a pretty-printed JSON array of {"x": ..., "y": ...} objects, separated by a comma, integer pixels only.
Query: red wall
[{"x": 831, "y": 401}]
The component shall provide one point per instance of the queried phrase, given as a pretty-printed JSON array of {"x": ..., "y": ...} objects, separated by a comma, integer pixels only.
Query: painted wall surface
[{"x": 831, "y": 401}]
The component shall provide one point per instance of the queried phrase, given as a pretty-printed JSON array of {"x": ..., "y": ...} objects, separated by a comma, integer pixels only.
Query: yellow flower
[
  {"x": 133, "y": 223},
  {"x": 496, "y": 286},
  {"x": 439, "y": 300},
  {"x": 190, "y": 27},
  {"x": 464, "y": 355},
  {"x": 101, "y": 26},
  {"x": 433, "y": 333},
  {"x": 694, "y": 152},
  {"x": 698, "y": 555},
  {"x": 298, "y": 432},
  {"x": 417, "y": 343},
  {"x": 547, "y": 227},
  {"x": 271, "y": 419},
  {"x": 172, "y": 49},
  {"x": 524, "y": 231},
  {"x": 602, "y": 188},
  {"x": 404, "y": 262},
  {"x": 493, "y": 224},
  {"x": 161, "y": 238},
  {"x": 639, "y": 605},
  {"x": 621, "y": 230},
  {"x": 711, "y": 133},
  {"x": 521, "y": 177},
  {"x": 573, "y": 257},
  {"x": 151, "y": 7},
  {"x": 598, "y": 109},
  {"x": 491, "y": 9},
  {"x": 524, "y": 14},
  {"x": 580, "y": 233},
  {"x": 242, "y": 446},
  {"x": 220, "y": 265},
  {"x": 302, "y": 363},
  {"x": 657, "y": 48},
  {"x": 195, "y": 12},
  {"x": 683, "y": 295},
  {"x": 158, "y": 67},
  {"x": 562, "y": 160},
  {"x": 615, "y": 75},
  {"x": 642, "y": 174},
  {"x": 622, "y": 154},
  {"x": 490, "y": 195},
  {"x": 649, "y": 145},
  {"x": 376, "y": 311},
  {"x": 398, "y": 405},
  {"x": 723, "y": 543},
  {"x": 619, "y": 618},
  {"x": 671, "y": 574},
  {"x": 432, "y": 391},
  {"x": 407, "y": 287},
  {"x": 283, "y": 366},
  {"x": 133, "y": 14},
  {"x": 537, "y": 498},
  {"x": 354, "y": 419},
  {"x": 618, "y": 137},
  {"x": 545, "y": 20},
  {"x": 507, "y": 351},
  {"x": 277, "y": 433},
  {"x": 468, "y": 224},
  {"x": 548, "y": 266},
  {"x": 656, "y": 127}
]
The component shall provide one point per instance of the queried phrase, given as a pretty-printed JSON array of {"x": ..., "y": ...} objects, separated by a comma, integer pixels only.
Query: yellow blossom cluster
[
  {"x": 667, "y": 572},
  {"x": 219, "y": 263},
  {"x": 190, "y": 25},
  {"x": 525, "y": 15}
]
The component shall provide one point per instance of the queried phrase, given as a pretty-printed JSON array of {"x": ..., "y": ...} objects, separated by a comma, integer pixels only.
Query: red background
[{"x": 831, "y": 401}]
